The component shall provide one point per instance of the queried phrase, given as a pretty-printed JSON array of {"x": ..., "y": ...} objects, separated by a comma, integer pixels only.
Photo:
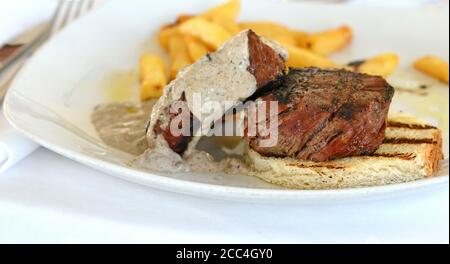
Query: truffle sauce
[{"x": 122, "y": 126}]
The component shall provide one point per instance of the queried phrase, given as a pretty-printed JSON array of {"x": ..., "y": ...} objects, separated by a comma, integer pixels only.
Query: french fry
[
  {"x": 299, "y": 37},
  {"x": 274, "y": 31},
  {"x": 231, "y": 26},
  {"x": 433, "y": 66},
  {"x": 152, "y": 76},
  {"x": 381, "y": 65},
  {"x": 229, "y": 11},
  {"x": 300, "y": 58},
  {"x": 329, "y": 41},
  {"x": 165, "y": 34},
  {"x": 210, "y": 33},
  {"x": 265, "y": 27},
  {"x": 225, "y": 15},
  {"x": 285, "y": 40},
  {"x": 169, "y": 30},
  {"x": 179, "y": 55},
  {"x": 182, "y": 18},
  {"x": 196, "y": 48}
]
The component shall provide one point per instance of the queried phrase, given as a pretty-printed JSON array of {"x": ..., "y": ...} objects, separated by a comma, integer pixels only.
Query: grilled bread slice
[{"x": 412, "y": 150}]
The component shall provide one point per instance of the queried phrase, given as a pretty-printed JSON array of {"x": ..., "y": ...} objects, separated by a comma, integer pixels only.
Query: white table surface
[{"x": 50, "y": 199}]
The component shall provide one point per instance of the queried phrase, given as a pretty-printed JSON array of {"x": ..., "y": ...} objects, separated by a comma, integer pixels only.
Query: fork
[{"x": 66, "y": 12}]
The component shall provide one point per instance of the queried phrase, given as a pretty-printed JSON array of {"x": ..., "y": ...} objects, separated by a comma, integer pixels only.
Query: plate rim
[{"x": 227, "y": 192}]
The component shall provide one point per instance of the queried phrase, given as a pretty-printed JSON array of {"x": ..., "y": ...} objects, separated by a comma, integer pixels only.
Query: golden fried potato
[
  {"x": 196, "y": 48},
  {"x": 179, "y": 55},
  {"x": 285, "y": 40},
  {"x": 167, "y": 31},
  {"x": 182, "y": 18},
  {"x": 329, "y": 41},
  {"x": 165, "y": 34},
  {"x": 433, "y": 66},
  {"x": 265, "y": 27},
  {"x": 299, "y": 37},
  {"x": 274, "y": 31},
  {"x": 300, "y": 58},
  {"x": 231, "y": 26},
  {"x": 210, "y": 33},
  {"x": 381, "y": 65},
  {"x": 225, "y": 15},
  {"x": 153, "y": 76},
  {"x": 229, "y": 11}
]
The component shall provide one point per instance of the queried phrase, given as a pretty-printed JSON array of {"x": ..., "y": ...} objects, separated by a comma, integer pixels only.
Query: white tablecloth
[{"x": 49, "y": 199}]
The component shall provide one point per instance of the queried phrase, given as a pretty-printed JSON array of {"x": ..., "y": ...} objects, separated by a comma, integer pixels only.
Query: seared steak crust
[
  {"x": 179, "y": 143},
  {"x": 327, "y": 114},
  {"x": 265, "y": 64}
]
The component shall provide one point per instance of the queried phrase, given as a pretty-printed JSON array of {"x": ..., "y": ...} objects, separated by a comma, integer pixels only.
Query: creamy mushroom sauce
[{"x": 123, "y": 125}]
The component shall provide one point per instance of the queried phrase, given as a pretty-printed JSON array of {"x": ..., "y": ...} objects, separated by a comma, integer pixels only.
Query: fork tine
[
  {"x": 67, "y": 14},
  {"x": 87, "y": 5},
  {"x": 67, "y": 11},
  {"x": 55, "y": 17},
  {"x": 90, "y": 4},
  {"x": 79, "y": 9}
]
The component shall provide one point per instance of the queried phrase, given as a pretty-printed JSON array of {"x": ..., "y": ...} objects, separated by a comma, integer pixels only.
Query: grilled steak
[
  {"x": 265, "y": 64},
  {"x": 327, "y": 114},
  {"x": 179, "y": 143}
]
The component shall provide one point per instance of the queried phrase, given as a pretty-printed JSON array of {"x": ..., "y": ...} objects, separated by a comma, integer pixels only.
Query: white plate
[{"x": 52, "y": 98}]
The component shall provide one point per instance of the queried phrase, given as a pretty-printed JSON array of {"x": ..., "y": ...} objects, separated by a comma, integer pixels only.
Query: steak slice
[
  {"x": 327, "y": 114},
  {"x": 266, "y": 62},
  {"x": 179, "y": 142}
]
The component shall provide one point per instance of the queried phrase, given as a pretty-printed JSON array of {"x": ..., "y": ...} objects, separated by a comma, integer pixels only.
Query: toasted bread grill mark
[
  {"x": 317, "y": 166},
  {"x": 410, "y": 126},
  {"x": 403, "y": 156},
  {"x": 409, "y": 141},
  {"x": 409, "y": 152}
]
